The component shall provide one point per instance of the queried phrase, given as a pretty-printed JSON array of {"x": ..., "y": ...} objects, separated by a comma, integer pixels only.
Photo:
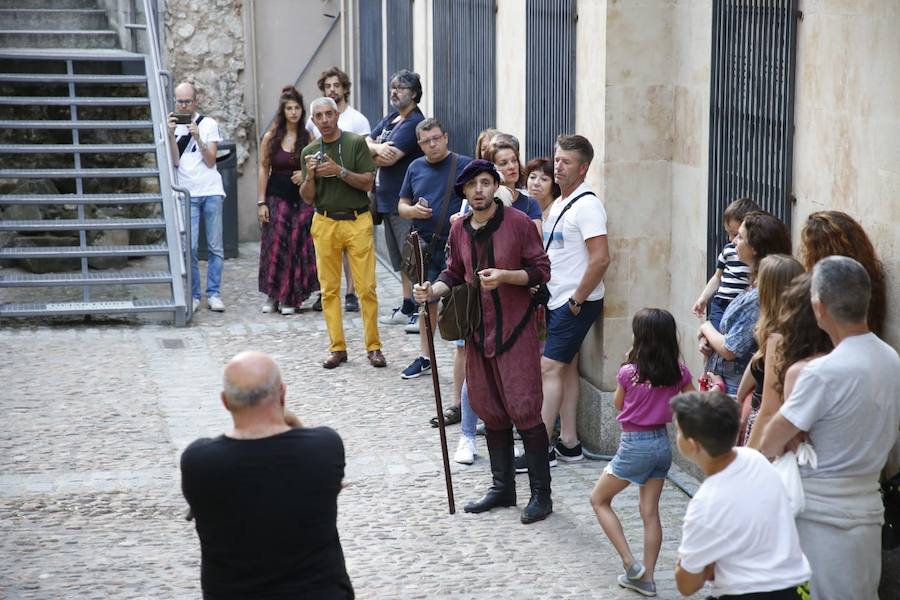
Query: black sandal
[{"x": 452, "y": 416}]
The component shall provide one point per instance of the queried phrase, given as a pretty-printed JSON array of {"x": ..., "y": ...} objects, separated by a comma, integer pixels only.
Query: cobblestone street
[{"x": 95, "y": 417}]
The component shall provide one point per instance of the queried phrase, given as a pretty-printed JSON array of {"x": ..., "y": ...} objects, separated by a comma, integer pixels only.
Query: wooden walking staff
[{"x": 429, "y": 334}]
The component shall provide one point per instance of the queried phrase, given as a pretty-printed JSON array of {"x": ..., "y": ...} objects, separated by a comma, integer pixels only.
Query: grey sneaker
[
  {"x": 646, "y": 588},
  {"x": 636, "y": 570},
  {"x": 215, "y": 304}
]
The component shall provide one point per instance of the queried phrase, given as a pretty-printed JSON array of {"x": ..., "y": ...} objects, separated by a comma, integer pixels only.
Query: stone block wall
[{"x": 205, "y": 45}]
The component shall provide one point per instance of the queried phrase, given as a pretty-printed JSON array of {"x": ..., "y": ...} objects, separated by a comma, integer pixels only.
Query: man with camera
[
  {"x": 264, "y": 495},
  {"x": 499, "y": 250},
  {"x": 194, "y": 141},
  {"x": 338, "y": 172}
]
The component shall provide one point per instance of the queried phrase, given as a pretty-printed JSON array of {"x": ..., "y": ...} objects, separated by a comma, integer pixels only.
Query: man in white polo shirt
[{"x": 194, "y": 146}]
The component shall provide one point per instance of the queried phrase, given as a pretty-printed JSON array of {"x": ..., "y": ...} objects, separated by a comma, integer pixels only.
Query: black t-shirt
[{"x": 266, "y": 515}]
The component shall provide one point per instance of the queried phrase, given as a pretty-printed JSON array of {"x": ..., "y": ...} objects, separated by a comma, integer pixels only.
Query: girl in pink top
[{"x": 651, "y": 376}]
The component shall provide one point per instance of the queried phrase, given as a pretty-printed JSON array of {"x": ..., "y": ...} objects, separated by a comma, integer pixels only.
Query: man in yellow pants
[{"x": 338, "y": 172}]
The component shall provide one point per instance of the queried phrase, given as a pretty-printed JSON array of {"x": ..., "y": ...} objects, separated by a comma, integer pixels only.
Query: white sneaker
[
  {"x": 196, "y": 304},
  {"x": 397, "y": 317},
  {"x": 465, "y": 451},
  {"x": 215, "y": 304},
  {"x": 287, "y": 310},
  {"x": 269, "y": 306}
]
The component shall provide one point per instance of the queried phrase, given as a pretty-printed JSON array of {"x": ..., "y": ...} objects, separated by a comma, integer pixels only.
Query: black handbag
[{"x": 890, "y": 495}]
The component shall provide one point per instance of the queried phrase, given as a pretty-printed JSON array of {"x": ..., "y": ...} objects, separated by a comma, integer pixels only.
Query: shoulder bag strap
[
  {"x": 183, "y": 142},
  {"x": 446, "y": 205},
  {"x": 559, "y": 218}
]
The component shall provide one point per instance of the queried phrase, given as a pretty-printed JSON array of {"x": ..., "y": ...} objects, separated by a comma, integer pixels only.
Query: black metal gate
[
  {"x": 751, "y": 109},
  {"x": 464, "y": 69},
  {"x": 370, "y": 86},
  {"x": 399, "y": 35},
  {"x": 550, "y": 74}
]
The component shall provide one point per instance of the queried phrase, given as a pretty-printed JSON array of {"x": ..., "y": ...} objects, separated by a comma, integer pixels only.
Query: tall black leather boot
[
  {"x": 503, "y": 489},
  {"x": 536, "y": 445}
]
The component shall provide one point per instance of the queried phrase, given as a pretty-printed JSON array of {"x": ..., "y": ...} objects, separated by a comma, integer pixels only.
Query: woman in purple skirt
[{"x": 287, "y": 260}]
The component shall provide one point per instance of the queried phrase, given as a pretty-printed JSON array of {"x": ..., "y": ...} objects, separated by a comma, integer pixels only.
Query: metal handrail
[{"x": 176, "y": 199}]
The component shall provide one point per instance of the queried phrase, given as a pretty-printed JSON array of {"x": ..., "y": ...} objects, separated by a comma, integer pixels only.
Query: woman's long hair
[
  {"x": 279, "y": 128},
  {"x": 776, "y": 272},
  {"x": 800, "y": 334},
  {"x": 832, "y": 232},
  {"x": 654, "y": 351}
]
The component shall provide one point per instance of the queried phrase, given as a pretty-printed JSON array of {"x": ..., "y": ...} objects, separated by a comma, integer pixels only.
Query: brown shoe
[
  {"x": 377, "y": 358},
  {"x": 334, "y": 359}
]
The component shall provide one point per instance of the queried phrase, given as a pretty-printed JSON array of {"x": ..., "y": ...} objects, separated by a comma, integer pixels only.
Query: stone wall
[{"x": 205, "y": 45}]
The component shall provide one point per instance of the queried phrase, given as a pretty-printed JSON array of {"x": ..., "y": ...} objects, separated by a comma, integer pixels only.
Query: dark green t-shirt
[{"x": 350, "y": 151}]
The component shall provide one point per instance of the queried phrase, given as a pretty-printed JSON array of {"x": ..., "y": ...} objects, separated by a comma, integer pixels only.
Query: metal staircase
[{"x": 85, "y": 170}]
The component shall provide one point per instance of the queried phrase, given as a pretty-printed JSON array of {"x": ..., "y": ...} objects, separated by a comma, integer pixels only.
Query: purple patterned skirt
[{"x": 287, "y": 259}]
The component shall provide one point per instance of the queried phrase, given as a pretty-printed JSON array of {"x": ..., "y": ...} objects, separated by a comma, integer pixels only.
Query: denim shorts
[{"x": 642, "y": 455}]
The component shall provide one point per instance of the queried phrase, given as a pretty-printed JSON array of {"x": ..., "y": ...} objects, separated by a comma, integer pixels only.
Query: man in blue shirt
[
  {"x": 394, "y": 146},
  {"x": 428, "y": 185}
]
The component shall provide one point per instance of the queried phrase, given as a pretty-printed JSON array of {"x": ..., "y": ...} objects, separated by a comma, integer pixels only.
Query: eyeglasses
[
  {"x": 184, "y": 102},
  {"x": 400, "y": 87},
  {"x": 432, "y": 140}
]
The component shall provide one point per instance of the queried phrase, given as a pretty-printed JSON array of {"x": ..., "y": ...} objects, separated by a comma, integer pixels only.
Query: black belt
[{"x": 342, "y": 215}]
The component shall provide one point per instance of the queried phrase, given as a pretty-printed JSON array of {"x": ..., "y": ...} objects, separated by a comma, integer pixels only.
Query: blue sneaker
[{"x": 419, "y": 367}]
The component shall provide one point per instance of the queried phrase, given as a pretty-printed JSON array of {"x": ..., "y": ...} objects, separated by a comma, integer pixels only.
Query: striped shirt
[{"x": 735, "y": 274}]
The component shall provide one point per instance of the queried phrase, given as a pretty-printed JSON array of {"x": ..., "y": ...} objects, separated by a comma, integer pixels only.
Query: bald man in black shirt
[{"x": 264, "y": 496}]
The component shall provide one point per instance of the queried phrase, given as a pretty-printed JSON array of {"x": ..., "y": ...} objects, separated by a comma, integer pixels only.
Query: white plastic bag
[{"x": 788, "y": 468}]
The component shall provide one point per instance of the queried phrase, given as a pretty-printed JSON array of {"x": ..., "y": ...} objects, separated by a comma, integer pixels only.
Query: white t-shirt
[
  {"x": 193, "y": 173},
  {"x": 741, "y": 520},
  {"x": 350, "y": 120},
  {"x": 849, "y": 402},
  {"x": 568, "y": 252}
]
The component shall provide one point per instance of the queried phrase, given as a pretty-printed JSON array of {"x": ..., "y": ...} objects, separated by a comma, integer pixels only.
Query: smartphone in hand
[{"x": 182, "y": 119}]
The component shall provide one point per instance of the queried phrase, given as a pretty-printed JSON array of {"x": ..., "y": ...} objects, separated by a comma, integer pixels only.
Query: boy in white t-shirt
[{"x": 738, "y": 530}]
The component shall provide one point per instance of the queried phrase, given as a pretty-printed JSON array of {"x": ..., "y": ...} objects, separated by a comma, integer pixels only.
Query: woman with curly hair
[
  {"x": 287, "y": 259},
  {"x": 797, "y": 340},
  {"x": 832, "y": 232}
]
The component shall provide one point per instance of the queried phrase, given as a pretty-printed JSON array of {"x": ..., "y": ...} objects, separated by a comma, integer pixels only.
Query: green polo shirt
[{"x": 350, "y": 151}]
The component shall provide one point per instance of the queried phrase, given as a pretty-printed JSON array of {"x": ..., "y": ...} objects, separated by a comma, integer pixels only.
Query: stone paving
[{"x": 96, "y": 415}]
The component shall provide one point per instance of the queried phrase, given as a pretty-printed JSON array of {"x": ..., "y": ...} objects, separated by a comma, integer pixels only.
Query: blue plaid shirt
[{"x": 737, "y": 326}]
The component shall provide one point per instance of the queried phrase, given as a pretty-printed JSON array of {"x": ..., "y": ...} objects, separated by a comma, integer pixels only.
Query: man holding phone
[
  {"x": 428, "y": 200},
  {"x": 194, "y": 141}
]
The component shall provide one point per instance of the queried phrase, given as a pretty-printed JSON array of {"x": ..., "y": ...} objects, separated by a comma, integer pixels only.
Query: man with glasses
[
  {"x": 428, "y": 200},
  {"x": 394, "y": 146},
  {"x": 194, "y": 141},
  {"x": 338, "y": 172}
]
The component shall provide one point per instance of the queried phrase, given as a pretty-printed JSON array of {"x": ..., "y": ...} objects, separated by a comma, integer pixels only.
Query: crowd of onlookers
[{"x": 791, "y": 351}]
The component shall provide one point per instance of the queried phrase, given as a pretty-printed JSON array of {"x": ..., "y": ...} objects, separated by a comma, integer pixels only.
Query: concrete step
[
  {"x": 79, "y": 279},
  {"x": 77, "y": 173},
  {"x": 69, "y": 101},
  {"x": 44, "y": 38},
  {"x": 56, "y": 19},
  {"x": 64, "y": 78},
  {"x": 99, "y": 199},
  {"x": 50, "y": 309},
  {"x": 48, "y": 4},
  {"x": 80, "y": 148},
  {"x": 79, "y": 224},
  {"x": 62, "y": 124},
  {"x": 83, "y": 251}
]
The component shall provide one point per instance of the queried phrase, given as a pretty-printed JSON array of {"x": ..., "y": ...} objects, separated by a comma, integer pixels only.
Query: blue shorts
[
  {"x": 565, "y": 331},
  {"x": 642, "y": 455}
]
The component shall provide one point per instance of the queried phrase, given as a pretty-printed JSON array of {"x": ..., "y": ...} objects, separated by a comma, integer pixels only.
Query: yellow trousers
[{"x": 331, "y": 238}]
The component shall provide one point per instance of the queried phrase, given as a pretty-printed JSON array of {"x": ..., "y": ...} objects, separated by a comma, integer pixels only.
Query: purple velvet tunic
[{"x": 503, "y": 356}]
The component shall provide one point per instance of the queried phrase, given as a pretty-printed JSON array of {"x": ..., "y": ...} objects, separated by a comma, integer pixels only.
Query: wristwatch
[
  {"x": 574, "y": 303},
  {"x": 343, "y": 173}
]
